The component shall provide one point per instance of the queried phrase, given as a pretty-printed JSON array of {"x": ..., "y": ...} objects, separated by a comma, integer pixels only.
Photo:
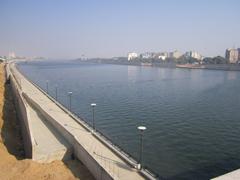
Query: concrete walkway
[
  {"x": 234, "y": 175},
  {"x": 108, "y": 160},
  {"x": 45, "y": 150},
  {"x": 52, "y": 148}
]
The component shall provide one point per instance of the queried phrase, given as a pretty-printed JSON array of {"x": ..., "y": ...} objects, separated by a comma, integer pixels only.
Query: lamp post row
[{"x": 93, "y": 105}]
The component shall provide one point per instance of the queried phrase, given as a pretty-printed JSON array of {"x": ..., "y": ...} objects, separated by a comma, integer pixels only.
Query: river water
[{"x": 192, "y": 116}]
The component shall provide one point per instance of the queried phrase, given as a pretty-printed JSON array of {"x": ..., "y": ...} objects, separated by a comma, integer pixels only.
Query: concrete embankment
[
  {"x": 13, "y": 164},
  {"x": 72, "y": 135},
  {"x": 35, "y": 129}
]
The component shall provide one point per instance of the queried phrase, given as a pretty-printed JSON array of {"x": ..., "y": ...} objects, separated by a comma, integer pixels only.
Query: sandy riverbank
[{"x": 12, "y": 162}]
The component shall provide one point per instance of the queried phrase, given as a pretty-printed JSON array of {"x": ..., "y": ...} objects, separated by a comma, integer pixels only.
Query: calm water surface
[{"x": 192, "y": 116}]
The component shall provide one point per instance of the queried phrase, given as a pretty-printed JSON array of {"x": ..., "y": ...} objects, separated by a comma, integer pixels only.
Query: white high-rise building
[
  {"x": 162, "y": 57},
  {"x": 175, "y": 54},
  {"x": 11, "y": 55},
  {"x": 194, "y": 54},
  {"x": 232, "y": 55},
  {"x": 132, "y": 56},
  {"x": 147, "y": 55}
]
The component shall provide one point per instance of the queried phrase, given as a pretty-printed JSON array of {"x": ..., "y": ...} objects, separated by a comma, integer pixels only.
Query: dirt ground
[{"x": 12, "y": 162}]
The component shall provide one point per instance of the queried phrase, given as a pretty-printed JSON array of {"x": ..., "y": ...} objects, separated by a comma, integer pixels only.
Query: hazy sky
[{"x": 105, "y": 28}]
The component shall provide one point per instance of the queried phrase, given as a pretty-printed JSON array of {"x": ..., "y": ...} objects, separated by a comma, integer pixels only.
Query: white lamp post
[
  {"x": 56, "y": 92},
  {"x": 70, "y": 100},
  {"x": 141, "y": 129},
  {"x": 93, "y": 120},
  {"x": 47, "y": 85}
]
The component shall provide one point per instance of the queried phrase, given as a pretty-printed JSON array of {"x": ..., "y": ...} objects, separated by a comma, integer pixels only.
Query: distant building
[
  {"x": 162, "y": 57},
  {"x": 194, "y": 54},
  {"x": 165, "y": 54},
  {"x": 11, "y": 55},
  {"x": 147, "y": 55},
  {"x": 132, "y": 56},
  {"x": 175, "y": 54},
  {"x": 232, "y": 55},
  {"x": 239, "y": 54}
]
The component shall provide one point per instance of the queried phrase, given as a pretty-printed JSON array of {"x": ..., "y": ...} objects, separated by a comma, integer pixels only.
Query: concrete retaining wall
[
  {"x": 23, "y": 114},
  {"x": 97, "y": 171}
]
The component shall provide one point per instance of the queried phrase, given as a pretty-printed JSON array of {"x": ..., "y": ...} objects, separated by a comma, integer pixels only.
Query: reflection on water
[
  {"x": 232, "y": 75},
  {"x": 192, "y": 116}
]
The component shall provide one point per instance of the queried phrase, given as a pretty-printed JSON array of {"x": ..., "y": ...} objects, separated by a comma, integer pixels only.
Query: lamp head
[
  {"x": 93, "y": 104},
  {"x": 141, "y": 128}
]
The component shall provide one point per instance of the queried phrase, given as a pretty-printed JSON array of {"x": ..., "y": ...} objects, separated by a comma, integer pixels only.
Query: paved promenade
[
  {"x": 234, "y": 175},
  {"x": 109, "y": 161},
  {"x": 54, "y": 148}
]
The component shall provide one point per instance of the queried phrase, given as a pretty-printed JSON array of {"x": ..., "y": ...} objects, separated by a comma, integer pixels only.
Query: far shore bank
[{"x": 223, "y": 67}]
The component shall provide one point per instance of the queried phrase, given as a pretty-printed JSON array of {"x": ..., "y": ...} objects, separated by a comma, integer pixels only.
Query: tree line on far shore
[
  {"x": 181, "y": 60},
  {"x": 185, "y": 60}
]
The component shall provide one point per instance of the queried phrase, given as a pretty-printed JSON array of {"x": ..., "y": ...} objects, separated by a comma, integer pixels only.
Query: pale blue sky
[{"x": 105, "y": 28}]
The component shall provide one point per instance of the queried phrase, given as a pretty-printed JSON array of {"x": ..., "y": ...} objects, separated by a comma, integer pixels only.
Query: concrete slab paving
[
  {"x": 50, "y": 145},
  {"x": 234, "y": 175}
]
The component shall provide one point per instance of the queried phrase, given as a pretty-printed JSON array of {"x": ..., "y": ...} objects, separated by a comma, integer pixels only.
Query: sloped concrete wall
[
  {"x": 23, "y": 114},
  {"x": 79, "y": 152}
]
